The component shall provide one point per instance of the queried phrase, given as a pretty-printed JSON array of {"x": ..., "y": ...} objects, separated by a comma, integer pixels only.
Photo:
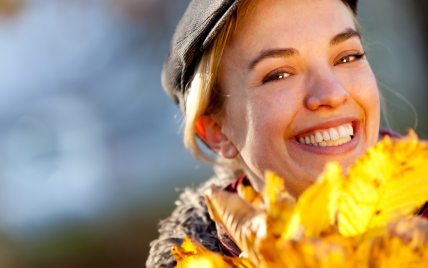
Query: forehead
[{"x": 264, "y": 24}]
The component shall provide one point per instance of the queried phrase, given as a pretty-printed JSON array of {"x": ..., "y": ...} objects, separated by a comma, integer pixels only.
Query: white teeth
[
  {"x": 342, "y": 132},
  {"x": 329, "y": 137},
  {"x": 325, "y": 136},
  {"x": 333, "y": 134},
  {"x": 318, "y": 136},
  {"x": 350, "y": 130}
]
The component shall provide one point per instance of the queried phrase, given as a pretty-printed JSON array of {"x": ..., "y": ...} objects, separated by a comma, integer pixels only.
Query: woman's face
[{"x": 293, "y": 71}]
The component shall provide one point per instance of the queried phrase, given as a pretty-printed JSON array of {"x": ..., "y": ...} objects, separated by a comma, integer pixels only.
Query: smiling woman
[
  {"x": 279, "y": 86},
  {"x": 320, "y": 83}
]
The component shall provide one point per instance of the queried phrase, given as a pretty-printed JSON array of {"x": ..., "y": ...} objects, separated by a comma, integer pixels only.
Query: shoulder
[{"x": 189, "y": 218}]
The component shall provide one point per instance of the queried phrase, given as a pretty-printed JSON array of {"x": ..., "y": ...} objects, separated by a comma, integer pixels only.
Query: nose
[{"x": 325, "y": 91}]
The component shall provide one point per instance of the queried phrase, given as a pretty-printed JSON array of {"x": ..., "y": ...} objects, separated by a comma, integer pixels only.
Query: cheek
[
  {"x": 364, "y": 91},
  {"x": 269, "y": 114},
  {"x": 362, "y": 87},
  {"x": 272, "y": 111}
]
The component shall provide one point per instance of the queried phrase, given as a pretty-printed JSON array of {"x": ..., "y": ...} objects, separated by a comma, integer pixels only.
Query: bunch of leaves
[{"x": 363, "y": 219}]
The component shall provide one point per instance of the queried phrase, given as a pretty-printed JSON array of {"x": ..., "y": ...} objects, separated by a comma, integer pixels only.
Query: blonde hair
[{"x": 203, "y": 94}]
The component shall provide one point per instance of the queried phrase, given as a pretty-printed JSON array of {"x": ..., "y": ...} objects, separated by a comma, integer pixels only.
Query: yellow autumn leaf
[
  {"x": 388, "y": 183},
  {"x": 243, "y": 222},
  {"x": 193, "y": 254},
  {"x": 279, "y": 204},
  {"x": 362, "y": 220},
  {"x": 250, "y": 195},
  {"x": 317, "y": 206},
  {"x": 404, "y": 245},
  {"x": 313, "y": 253}
]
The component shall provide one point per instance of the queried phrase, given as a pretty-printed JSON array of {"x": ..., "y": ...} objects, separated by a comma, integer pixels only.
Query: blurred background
[{"x": 90, "y": 145}]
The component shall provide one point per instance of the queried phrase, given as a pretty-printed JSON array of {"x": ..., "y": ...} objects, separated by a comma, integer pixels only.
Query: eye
[
  {"x": 276, "y": 76},
  {"x": 349, "y": 58}
]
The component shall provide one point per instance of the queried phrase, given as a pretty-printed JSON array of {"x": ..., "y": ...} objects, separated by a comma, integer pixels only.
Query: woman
[{"x": 279, "y": 85}]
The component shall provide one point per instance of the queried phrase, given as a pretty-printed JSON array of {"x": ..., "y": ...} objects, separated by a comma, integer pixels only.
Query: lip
[{"x": 331, "y": 150}]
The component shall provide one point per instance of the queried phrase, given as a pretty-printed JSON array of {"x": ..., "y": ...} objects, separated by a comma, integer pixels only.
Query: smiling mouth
[{"x": 328, "y": 137}]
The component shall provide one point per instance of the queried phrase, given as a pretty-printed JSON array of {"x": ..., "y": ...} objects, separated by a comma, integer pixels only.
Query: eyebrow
[
  {"x": 342, "y": 37},
  {"x": 288, "y": 52},
  {"x": 273, "y": 53}
]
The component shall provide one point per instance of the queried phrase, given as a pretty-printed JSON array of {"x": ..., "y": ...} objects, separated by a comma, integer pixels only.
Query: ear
[{"x": 210, "y": 132}]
